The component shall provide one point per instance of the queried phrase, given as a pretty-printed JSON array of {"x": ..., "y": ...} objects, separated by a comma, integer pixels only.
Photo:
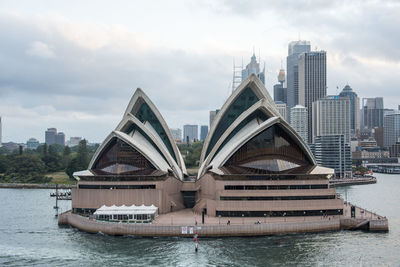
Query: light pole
[
  {"x": 242, "y": 218},
  {"x": 219, "y": 218},
  {"x": 265, "y": 218}
]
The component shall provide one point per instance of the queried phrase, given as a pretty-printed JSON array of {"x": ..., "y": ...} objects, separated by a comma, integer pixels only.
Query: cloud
[
  {"x": 40, "y": 49},
  {"x": 93, "y": 77}
]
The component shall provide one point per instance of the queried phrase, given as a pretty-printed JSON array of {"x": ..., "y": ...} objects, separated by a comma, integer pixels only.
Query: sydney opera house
[{"x": 253, "y": 164}]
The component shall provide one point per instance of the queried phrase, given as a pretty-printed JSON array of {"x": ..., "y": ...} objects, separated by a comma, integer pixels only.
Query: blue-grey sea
[{"x": 30, "y": 236}]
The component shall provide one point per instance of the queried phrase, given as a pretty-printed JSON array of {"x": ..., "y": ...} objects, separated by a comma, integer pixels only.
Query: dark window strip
[
  {"x": 275, "y": 187},
  {"x": 258, "y": 198},
  {"x": 103, "y": 186},
  {"x": 288, "y": 213}
]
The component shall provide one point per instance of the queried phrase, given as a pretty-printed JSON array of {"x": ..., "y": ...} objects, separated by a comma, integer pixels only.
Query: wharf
[
  {"x": 352, "y": 181},
  {"x": 184, "y": 222},
  {"x": 36, "y": 186}
]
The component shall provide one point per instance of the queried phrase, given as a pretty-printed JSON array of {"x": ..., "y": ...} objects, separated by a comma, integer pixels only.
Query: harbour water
[{"x": 29, "y": 236}]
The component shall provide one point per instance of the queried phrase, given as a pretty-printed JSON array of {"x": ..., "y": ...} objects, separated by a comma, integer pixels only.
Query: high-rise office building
[
  {"x": 203, "y": 132},
  {"x": 60, "y": 138},
  {"x": 391, "y": 126},
  {"x": 372, "y": 112},
  {"x": 253, "y": 67},
  {"x": 331, "y": 116},
  {"x": 312, "y": 81},
  {"x": 332, "y": 151},
  {"x": 299, "y": 121},
  {"x": 292, "y": 61},
  {"x": 50, "y": 136},
  {"x": 191, "y": 132},
  {"x": 281, "y": 107},
  {"x": 354, "y": 107},
  {"x": 176, "y": 134}
]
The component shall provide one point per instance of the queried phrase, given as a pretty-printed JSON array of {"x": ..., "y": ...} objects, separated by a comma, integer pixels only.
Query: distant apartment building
[
  {"x": 332, "y": 151},
  {"x": 281, "y": 107},
  {"x": 32, "y": 143},
  {"x": 213, "y": 113},
  {"x": 312, "y": 81},
  {"x": 190, "y": 132},
  {"x": 394, "y": 150},
  {"x": 391, "y": 126},
  {"x": 372, "y": 112},
  {"x": 50, "y": 136},
  {"x": 176, "y": 134},
  {"x": 203, "y": 132},
  {"x": 331, "y": 116},
  {"x": 60, "y": 139},
  {"x": 299, "y": 117},
  {"x": 74, "y": 141}
]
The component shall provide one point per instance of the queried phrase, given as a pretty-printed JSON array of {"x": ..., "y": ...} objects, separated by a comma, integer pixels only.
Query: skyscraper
[
  {"x": 203, "y": 132},
  {"x": 50, "y": 136},
  {"x": 312, "y": 81},
  {"x": 294, "y": 50},
  {"x": 191, "y": 132},
  {"x": 372, "y": 111},
  {"x": 253, "y": 67},
  {"x": 331, "y": 116},
  {"x": 354, "y": 107},
  {"x": 299, "y": 119},
  {"x": 60, "y": 138}
]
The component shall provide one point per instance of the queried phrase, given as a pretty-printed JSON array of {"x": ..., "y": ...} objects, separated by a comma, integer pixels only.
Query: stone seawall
[
  {"x": 93, "y": 226},
  {"x": 36, "y": 186}
]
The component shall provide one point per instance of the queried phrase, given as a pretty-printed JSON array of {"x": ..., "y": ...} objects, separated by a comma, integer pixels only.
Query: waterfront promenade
[{"x": 185, "y": 222}]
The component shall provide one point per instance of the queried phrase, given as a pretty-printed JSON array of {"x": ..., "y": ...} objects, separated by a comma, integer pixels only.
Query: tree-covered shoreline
[{"x": 31, "y": 166}]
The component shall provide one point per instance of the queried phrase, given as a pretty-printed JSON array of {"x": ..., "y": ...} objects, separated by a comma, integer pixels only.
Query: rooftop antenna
[{"x": 259, "y": 54}]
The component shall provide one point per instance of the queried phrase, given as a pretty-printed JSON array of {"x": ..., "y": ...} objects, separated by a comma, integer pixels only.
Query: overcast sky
[{"x": 74, "y": 65}]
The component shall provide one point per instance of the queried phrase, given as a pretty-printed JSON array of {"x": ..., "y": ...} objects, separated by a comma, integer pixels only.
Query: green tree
[{"x": 80, "y": 161}]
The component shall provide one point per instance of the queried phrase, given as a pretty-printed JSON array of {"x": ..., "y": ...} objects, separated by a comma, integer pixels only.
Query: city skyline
[{"x": 59, "y": 65}]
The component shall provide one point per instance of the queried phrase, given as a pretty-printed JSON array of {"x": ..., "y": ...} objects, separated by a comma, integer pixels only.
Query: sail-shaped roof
[
  {"x": 250, "y": 135},
  {"x": 140, "y": 144}
]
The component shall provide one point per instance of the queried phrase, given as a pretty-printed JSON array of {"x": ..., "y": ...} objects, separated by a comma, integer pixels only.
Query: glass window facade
[
  {"x": 129, "y": 129},
  {"x": 258, "y": 114},
  {"x": 271, "y": 151},
  {"x": 245, "y": 100},
  {"x": 120, "y": 158},
  {"x": 146, "y": 114}
]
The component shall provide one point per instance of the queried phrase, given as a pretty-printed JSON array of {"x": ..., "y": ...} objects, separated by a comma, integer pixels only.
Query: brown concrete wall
[
  {"x": 93, "y": 226},
  {"x": 211, "y": 190},
  {"x": 166, "y": 196}
]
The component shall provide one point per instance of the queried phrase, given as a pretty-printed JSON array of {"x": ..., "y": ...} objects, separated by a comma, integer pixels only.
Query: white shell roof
[
  {"x": 158, "y": 155},
  {"x": 214, "y": 161}
]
